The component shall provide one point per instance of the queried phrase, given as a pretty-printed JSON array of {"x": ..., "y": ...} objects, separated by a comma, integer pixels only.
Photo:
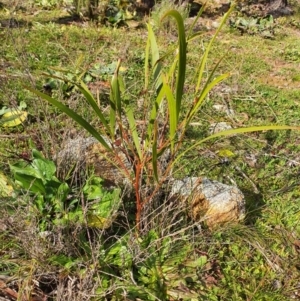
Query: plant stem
[{"x": 138, "y": 195}]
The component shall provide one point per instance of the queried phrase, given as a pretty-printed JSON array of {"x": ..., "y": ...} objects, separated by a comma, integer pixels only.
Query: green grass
[{"x": 257, "y": 260}]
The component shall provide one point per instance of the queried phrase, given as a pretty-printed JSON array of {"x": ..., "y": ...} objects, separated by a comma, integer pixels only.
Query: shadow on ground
[{"x": 254, "y": 206}]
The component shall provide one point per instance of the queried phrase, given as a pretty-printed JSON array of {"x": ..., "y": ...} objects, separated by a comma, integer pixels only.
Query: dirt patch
[
  {"x": 280, "y": 81},
  {"x": 282, "y": 74}
]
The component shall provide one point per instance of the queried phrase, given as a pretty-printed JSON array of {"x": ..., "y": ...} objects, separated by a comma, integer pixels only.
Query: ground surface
[{"x": 258, "y": 260}]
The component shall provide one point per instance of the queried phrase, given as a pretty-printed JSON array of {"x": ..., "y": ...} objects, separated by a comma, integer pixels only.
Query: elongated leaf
[
  {"x": 82, "y": 122},
  {"x": 211, "y": 75},
  {"x": 60, "y": 196},
  {"x": 44, "y": 168},
  {"x": 195, "y": 36},
  {"x": 63, "y": 192},
  {"x": 37, "y": 155},
  {"x": 30, "y": 183},
  {"x": 155, "y": 60},
  {"x": 79, "y": 61},
  {"x": 86, "y": 92},
  {"x": 21, "y": 169},
  {"x": 60, "y": 77},
  {"x": 208, "y": 87},
  {"x": 133, "y": 129},
  {"x": 115, "y": 100},
  {"x": 120, "y": 83},
  {"x": 205, "y": 55},
  {"x": 172, "y": 112},
  {"x": 171, "y": 73},
  {"x": 154, "y": 153},
  {"x": 112, "y": 111},
  {"x": 146, "y": 66},
  {"x": 182, "y": 57},
  {"x": 238, "y": 131},
  {"x": 189, "y": 35},
  {"x": 114, "y": 92},
  {"x": 152, "y": 118},
  {"x": 91, "y": 100}
]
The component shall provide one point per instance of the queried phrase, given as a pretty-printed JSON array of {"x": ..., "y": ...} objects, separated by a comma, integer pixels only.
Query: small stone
[
  {"x": 224, "y": 109},
  {"x": 219, "y": 127},
  {"x": 45, "y": 234},
  {"x": 3, "y": 226},
  {"x": 277, "y": 284}
]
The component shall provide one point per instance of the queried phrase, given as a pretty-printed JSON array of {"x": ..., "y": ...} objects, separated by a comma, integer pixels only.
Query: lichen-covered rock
[
  {"x": 88, "y": 153},
  {"x": 210, "y": 202},
  {"x": 114, "y": 168}
]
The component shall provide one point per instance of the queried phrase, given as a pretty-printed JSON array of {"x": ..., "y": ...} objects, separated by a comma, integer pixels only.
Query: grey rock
[{"x": 210, "y": 201}]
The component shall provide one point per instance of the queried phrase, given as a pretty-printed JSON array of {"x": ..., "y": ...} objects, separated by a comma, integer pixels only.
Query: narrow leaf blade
[
  {"x": 238, "y": 131},
  {"x": 77, "y": 118},
  {"x": 172, "y": 113},
  {"x": 154, "y": 153},
  {"x": 91, "y": 100},
  {"x": 182, "y": 45}
]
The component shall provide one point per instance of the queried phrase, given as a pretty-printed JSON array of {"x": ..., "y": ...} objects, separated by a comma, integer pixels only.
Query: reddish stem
[{"x": 137, "y": 195}]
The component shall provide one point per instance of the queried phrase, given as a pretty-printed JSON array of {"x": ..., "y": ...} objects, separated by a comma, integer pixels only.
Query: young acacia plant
[{"x": 162, "y": 138}]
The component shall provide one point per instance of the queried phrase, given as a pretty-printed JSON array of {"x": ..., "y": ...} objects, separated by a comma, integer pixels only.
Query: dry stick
[
  {"x": 14, "y": 136},
  {"x": 7, "y": 291},
  {"x": 256, "y": 190}
]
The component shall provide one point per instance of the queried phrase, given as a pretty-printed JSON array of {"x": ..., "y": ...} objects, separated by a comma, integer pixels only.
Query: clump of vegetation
[
  {"x": 265, "y": 27},
  {"x": 114, "y": 12},
  {"x": 80, "y": 240}
]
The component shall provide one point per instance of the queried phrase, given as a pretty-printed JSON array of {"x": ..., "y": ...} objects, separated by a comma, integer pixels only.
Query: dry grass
[{"x": 254, "y": 261}]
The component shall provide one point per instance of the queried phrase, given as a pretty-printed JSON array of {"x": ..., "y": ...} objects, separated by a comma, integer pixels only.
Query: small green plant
[
  {"x": 167, "y": 118},
  {"x": 48, "y": 3},
  {"x": 55, "y": 203},
  {"x": 118, "y": 11},
  {"x": 62, "y": 79},
  {"x": 49, "y": 194},
  {"x": 156, "y": 269},
  {"x": 292, "y": 54},
  {"x": 265, "y": 27},
  {"x": 104, "y": 203},
  {"x": 111, "y": 11},
  {"x": 6, "y": 189}
]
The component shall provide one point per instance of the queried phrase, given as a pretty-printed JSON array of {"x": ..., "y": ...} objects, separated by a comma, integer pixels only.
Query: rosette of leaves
[
  {"x": 118, "y": 11},
  {"x": 265, "y": 27},
  {"x": 38, "y": 180},
  {"x": 103, "y": 204},
  {"x": 54, "y": 201}
]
